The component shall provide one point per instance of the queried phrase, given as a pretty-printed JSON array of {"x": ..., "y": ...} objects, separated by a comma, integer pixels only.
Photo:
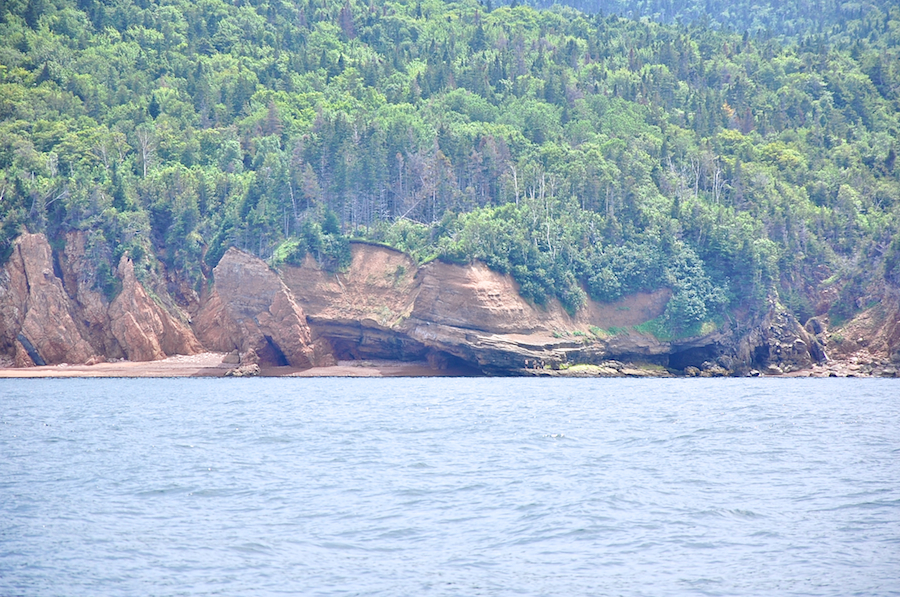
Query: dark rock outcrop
[{"x": 780, "y": 344}]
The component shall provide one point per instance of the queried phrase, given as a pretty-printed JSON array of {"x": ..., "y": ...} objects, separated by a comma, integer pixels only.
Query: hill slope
[{"x": 587, "y": 156}]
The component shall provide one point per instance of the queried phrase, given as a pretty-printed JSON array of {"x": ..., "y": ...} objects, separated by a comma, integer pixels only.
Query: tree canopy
[{"x": 583, "y": 153}]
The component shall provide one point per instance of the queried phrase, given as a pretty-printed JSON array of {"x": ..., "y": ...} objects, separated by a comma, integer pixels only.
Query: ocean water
[{"x": 437, "y": 486}]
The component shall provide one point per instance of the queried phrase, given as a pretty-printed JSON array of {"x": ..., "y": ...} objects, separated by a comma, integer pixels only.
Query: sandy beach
[{"x": 209, "y": 364}]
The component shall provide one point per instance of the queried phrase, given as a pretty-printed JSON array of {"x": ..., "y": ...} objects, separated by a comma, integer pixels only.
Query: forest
[{"x": 733, "y": 153}]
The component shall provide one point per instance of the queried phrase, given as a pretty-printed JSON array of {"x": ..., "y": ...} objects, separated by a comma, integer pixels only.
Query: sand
[{"x": 209, "y": 364}]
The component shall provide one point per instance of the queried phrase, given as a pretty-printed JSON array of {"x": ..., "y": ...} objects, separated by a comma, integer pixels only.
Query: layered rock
[
  {"x": 51, "y": 312},
  {"x": 38, "y": 312},
  {"x": 258, "y": 313},
  {"x": 383, "y": 306}
]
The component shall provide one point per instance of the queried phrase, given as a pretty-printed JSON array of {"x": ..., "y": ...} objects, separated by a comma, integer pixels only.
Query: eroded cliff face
[
  {"x": 252, "y": 311},
  {"x": 384, "y": 307},
  {"x": 50, "y": 312},
  {"x": 38, "y": 323}
]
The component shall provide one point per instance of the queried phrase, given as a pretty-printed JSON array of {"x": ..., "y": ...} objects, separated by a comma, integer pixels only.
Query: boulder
[{"x": 244, "y": 371}]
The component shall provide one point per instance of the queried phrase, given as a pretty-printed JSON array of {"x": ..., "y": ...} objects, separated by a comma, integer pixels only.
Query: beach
[{"x": 209, "y": 364}]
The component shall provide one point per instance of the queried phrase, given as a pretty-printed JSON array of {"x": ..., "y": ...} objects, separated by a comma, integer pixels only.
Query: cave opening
[
  {"x": 761, "y": 355},
  {"x": 692, "y": 357},
  {"x": 272, "y": 354}
]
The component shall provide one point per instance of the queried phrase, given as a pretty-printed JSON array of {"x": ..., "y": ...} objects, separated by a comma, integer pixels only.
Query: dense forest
[
  {"x": 728, "y": 152},
  {"x": 786, "y": 20}
]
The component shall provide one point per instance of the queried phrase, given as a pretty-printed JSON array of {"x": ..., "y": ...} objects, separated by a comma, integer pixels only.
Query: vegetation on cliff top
[{"x": 581, "y": 153}]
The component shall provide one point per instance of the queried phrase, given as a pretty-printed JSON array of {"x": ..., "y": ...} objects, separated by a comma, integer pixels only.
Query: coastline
[{"x": 210, "y": 364}]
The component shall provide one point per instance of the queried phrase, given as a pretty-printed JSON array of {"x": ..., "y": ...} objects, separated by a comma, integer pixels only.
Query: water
[{"x": 443, "y": 486}]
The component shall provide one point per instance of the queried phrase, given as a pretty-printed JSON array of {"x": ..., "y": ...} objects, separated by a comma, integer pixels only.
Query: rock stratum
[{"x": 384, "y": 306}]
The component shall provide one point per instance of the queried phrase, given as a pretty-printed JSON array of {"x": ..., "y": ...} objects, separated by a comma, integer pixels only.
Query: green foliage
[
  {"x": 585, "y": 155},
  {"x": 413, "y": 238},
  {"x": 106, "y": 282},
  {"x": 292, "y": 251}
]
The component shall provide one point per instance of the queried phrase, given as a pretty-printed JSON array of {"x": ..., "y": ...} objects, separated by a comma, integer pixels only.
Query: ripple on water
[{"x": 449, "y": 487}]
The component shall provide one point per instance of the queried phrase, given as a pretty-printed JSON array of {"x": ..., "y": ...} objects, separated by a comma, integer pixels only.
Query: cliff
[
  {"x": 51, "y": 311},
  {"x": 384, "y": 306},
  {"x": 467, "y": 314}
]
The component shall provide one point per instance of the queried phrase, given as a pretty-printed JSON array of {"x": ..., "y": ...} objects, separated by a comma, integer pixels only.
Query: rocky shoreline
[{"x": 436, "y": 319}]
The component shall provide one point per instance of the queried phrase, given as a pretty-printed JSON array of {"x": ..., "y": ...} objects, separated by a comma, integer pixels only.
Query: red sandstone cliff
[
  {"x": 252, "y": 311},
  {"x": 383, "y": 306},
  {"x": 51, "y": 313}
]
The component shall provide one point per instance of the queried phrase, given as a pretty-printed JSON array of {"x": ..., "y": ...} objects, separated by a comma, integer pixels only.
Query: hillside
[{"x": 586, "y": 155}]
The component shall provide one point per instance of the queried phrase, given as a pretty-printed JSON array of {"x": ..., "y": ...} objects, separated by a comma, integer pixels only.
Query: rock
[
  {"x": 244, "y": 371},
  {"x": 467, "y": 312},
  {"x": 79, "y": 277},
  {"x": 816, "y": 325},
  {"x": 781, "y": 341},
  {"x": 382, "y": 307},
  {"x": 214, "y": 326},
  {"x": 51, "y": 313},
  {"x": 250, "y": 357},
  {"x": 773, "y": 370},
  {"x": 266, "y": 317},
  {"x": 754, "y": 373},
  {"x": 323, "y": 353},
  {"x": 13, "y": 300},
  {"x": 143, "y": 329},
  {"x": 40, "y": 308},
  {"x": 715, "y": 371}
]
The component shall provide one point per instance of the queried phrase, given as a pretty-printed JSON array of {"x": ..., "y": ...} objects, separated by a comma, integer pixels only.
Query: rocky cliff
[
  {"x": 469, "y": 314},
  {"x": 383, "y": 306},
  {"x": 253, "y": 312},
  {"x": 51, "y": 311}
]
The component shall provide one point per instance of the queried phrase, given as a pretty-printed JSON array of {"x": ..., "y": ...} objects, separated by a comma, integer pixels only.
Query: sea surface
[{"x": 442, "y": 486}]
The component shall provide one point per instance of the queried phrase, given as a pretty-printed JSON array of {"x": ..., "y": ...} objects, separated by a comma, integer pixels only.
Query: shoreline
[{"x": 210, "y": 364}]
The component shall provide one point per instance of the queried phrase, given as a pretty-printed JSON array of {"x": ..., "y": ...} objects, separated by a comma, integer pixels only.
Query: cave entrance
[
  {"x": 692, "y": 357},
  {"x": 271, "y": 354}
]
